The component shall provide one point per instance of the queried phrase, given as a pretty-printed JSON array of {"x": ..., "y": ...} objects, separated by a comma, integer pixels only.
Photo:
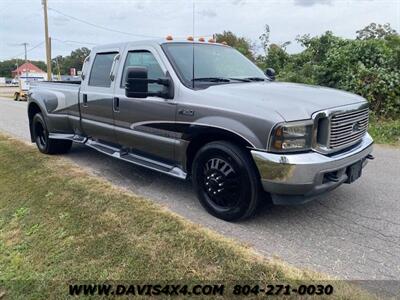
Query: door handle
[
  {"x": 116, "y": 104},
  {"x": 84, "y": 100}
]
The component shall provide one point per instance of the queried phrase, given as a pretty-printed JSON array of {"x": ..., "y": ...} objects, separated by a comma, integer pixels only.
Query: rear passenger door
[{"x": 96, "y": 97}]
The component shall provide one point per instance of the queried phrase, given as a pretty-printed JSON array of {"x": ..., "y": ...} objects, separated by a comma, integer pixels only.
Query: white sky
[{"x": 22, "y": 20}]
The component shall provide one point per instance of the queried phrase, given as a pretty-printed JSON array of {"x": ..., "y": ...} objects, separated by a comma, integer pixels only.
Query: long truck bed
[{"x": 61, "y": 104}]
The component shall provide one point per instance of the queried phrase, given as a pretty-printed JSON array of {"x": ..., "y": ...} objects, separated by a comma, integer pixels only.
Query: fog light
[{"x": 294, "y": 144}]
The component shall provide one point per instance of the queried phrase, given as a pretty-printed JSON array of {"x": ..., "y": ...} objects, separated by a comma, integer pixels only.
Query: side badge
[{"x": 186, "y": 112}]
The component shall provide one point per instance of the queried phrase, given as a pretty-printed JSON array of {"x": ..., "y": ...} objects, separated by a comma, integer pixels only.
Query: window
[
  {"x": 100, "y": 73},
  {"x": 144, "y": 59},
  {"x": 210, "y": 60}
]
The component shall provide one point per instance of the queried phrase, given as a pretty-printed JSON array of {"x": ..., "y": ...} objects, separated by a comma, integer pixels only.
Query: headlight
[{"x": 292, "y": 136}]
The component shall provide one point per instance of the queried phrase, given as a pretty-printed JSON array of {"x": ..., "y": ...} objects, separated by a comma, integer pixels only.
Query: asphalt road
[{"x": 352, "y": 232}]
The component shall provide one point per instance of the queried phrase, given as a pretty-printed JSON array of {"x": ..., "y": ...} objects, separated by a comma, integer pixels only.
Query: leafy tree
[
  {"x": 264, "y": 38},
  {"x": 240, "y": 43},
  {"x": 375, "y": 31},
  {"x": 74, "y": 60},
  {"x": 368, "y": 66},
  {"x": 7, "y": 66},
  {"x": 59, "y": 63},
  {"x": 275, "y": 55},
  {"x": 319, "y": 46},
  {"x": 276, "y": 58}
]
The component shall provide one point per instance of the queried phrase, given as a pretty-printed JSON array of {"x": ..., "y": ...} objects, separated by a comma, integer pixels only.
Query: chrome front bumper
[{"x": 297, "y": 178}]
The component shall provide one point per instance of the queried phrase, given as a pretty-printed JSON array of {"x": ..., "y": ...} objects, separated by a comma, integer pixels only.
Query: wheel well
[
  {"x": 206, "y": 137},
  {"x": 33, "y": 109}
]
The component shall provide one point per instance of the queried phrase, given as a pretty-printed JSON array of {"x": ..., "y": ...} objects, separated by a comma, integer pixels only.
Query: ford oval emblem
[{"x": 356, "y": 126}]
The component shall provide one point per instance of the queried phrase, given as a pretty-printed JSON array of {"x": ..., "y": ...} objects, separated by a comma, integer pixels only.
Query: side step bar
[
  {"x": 123, "y": 155},
  {"x": 64, "y": 136}
]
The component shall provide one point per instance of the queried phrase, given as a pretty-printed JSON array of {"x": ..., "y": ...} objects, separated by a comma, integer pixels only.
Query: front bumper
[{"x": 298, "y": 178}]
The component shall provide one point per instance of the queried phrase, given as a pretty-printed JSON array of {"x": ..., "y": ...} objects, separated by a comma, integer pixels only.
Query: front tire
[
  {"x": 226, "y": 181},
  {"x": 42, "y": 140}
]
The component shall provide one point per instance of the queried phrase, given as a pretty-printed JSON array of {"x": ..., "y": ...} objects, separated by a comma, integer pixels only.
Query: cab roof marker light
[{"x": 169, "y": 38}]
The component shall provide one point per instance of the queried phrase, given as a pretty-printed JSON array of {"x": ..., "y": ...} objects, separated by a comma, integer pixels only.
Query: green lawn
[
  {"x": 59, "y": 225},
  {"x": 385, "y": 131}
]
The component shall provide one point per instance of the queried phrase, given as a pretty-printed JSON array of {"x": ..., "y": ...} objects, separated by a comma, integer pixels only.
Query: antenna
[{"x": 193, "y": 19}]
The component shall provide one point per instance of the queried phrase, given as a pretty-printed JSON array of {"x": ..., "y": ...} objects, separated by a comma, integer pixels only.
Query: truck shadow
[
  {"x": 161, "y": 187},
  {"x": 330, "y": 234}
]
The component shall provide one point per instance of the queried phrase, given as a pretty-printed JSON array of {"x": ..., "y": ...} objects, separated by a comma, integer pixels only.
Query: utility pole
[
  {"x": 26, "y": 60},
  {"x": 47, "y": 40}
]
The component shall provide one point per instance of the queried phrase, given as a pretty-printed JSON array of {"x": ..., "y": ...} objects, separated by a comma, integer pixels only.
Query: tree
[
  {"x": 242, "y": 44},
  {"x": 368, "y": 66},
  {"x": 275, "y": 55},
  {"x": 7, "y": 66},
  {"x": 264, "y": 38},
  {"x": 276, "y": 58},
  {"x": 74, "y": 60},
  {"x": 375, "y": 31},
  {"x": 318, "y": 46}
]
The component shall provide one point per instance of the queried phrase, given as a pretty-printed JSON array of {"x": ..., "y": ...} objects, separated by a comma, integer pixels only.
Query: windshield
[{"x": 213, "y": 64}]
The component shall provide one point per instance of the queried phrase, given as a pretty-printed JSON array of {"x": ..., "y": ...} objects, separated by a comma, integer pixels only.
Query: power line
[
  {"x": 99, "y": 26},
  {"x": 28, "y": 50},
  {"x": 74, "y": 42}
]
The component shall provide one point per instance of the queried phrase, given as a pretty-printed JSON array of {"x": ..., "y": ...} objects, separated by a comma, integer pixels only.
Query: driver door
[{"x": 139, "y": 122}]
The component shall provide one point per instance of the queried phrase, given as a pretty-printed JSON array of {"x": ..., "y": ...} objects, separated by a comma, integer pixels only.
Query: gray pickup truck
[{"x": 201, "y": 110}]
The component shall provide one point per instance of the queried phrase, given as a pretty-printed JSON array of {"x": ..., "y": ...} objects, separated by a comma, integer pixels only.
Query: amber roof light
[
  {"x": 190, "y": 38},
  {"x": 202, "y": 39},
  {"x": 169, "y": 38}
]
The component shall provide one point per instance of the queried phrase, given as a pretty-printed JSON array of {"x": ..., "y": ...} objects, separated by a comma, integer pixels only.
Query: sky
[{"x": 106, "y": 21}]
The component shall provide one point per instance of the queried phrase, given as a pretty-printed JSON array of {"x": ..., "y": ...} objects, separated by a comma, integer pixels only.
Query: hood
[{"x": 290, "y": 100}]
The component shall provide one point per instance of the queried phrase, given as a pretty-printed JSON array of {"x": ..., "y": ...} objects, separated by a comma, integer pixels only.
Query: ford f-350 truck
[{"x": 203, "y": 111}]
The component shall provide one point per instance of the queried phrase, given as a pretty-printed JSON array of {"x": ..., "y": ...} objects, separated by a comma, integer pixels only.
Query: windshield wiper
[
  {"x": 212, "y": 79},
  {"x": 240, "y": 79},
  {"x": 225, "y": 79},
  {"x": 255, "y": 78}
]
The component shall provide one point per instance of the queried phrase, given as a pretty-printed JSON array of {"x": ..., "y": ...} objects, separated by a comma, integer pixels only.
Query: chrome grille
[{"x": 346, "y": 128}]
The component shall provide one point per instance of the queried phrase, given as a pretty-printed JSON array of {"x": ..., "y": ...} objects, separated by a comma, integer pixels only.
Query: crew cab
[{"x": 201, "y": 110}]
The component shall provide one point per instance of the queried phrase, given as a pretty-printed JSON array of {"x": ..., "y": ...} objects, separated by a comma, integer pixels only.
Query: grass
[
  {"x": 385, "y": 131},
  {"x": 59, "y": 225}
]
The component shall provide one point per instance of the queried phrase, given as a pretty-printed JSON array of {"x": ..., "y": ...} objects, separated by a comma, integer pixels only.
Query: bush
[{"x": 368, "y": 67}]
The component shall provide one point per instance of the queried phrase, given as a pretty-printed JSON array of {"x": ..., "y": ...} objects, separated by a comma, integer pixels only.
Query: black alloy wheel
[
  {"x": 41, "y": 137},
  {"x": 226, "y": 181}
]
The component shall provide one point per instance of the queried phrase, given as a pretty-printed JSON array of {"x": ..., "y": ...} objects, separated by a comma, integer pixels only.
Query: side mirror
[
  {"x": 270, "y": 73},
  {"x": 137, "y": 84}
]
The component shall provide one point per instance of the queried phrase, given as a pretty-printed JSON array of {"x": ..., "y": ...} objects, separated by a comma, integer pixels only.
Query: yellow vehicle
[
  {"x": 23, "y": 85},
  {"x": 21, "y": 95}
]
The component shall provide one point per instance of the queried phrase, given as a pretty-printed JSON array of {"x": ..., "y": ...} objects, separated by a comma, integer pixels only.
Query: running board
[
  {"x": 65, "y": 136},
  {"x": 137, "y": 159},
  {"x": 116, "y": 152}
]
